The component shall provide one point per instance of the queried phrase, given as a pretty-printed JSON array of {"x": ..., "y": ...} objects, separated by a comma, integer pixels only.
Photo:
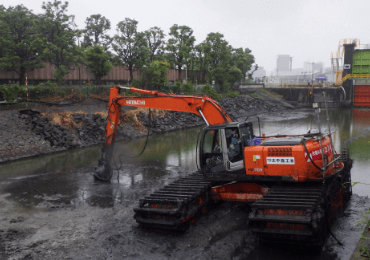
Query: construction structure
[{"x": 351, "y": 63}]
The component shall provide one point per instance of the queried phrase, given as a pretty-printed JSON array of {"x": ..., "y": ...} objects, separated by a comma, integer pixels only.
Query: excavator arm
[{"x": 206, "y": 107}]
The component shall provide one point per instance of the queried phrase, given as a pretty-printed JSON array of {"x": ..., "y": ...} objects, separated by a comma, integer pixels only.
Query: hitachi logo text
[{"x": 135, "y": 102}]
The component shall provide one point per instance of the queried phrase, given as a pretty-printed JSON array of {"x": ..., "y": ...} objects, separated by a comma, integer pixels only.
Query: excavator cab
[{"x": 222, "y": 147}]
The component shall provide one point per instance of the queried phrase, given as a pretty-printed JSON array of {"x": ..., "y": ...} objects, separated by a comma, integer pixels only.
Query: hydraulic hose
[
  {"x": 103, "y": 162},
  {"x": 196, "y": 153},
  {"x": 309, "y": 156},
  {"x": 130, "y": 156}
]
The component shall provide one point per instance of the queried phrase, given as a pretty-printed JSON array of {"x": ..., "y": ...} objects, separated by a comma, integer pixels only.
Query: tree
[
  {"x": 226, "y": 64},
  {"x": 199, "y": 60},
  {"x": 130, "y": 45},
  {"x": 20, "y": 41},
  {"x": 225, "y": 75},
  {"x": 61, "y": 49},
  {"x": 180, "y": 45},
  {"x": 250, "y": 75},
  {"x": 96, "y": 30},
  {"x": 218, "y": 59},
  {"x": 156, "y": 73},
  {"x": 97, "y": 60},
  {"x": 243, "y": 59},
  {"x": 154, "y": 37},
  {"x": 216, "y": 50}
]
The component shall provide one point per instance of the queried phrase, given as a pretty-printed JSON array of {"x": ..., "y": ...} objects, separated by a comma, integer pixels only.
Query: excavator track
[
  {"x": 176, "y": 205},
  {"x": 300, "y": 213},
  {"x": 287, "y": 212}
]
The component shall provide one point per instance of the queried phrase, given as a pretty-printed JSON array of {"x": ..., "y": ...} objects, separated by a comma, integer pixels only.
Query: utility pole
[{"x": 312, "y": 72}]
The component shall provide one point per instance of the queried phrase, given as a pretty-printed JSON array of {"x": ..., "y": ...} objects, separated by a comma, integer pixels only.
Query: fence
[{"x": 82, "y": 75}]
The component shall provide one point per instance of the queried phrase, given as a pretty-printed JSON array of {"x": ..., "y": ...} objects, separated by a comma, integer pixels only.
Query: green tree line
[{"x": 27, "y": 40}]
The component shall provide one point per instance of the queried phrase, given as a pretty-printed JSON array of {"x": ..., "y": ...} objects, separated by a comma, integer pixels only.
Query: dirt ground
[
  {"x": 67, "y": 215},
  {"x": 38, "y": 223}
]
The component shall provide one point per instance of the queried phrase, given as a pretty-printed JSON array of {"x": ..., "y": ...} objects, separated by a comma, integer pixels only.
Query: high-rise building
[
  {"x": 313, "y": 66},
  {"x": 318, "y": 66},
  {"x": 307, "y": 66},
  {"x": 283, "y": 63}
]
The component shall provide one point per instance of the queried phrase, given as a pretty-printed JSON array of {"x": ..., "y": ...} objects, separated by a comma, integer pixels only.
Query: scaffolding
[{"x": 338, "y": 58}]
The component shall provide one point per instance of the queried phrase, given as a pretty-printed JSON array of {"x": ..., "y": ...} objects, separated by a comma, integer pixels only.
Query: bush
[
  {"x": 209, "y": 91},
  {"x": 136, "y": 83},
  {"x": 11, "y": 93},
  {"x": 36, "y": 90},
  {"x": 169, "y": 88},
  {"x": 128, "y": 93},
  {"x": 52, "y": 84},
  {"x": 177, "y": 88},
  {"x": 156, "y": 74},
  {"x": 270, "y": 93},
  {"x": 254, "y": 95},
  {"x": 189, "y": 89},
  {"x": 232, "y": 94}
]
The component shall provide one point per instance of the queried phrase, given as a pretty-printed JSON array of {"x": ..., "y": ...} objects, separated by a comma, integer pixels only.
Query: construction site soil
[{"x": 68, "y": 215}]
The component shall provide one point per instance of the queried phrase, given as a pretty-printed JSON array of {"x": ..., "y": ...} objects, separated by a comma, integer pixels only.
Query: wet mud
[{"x": 70, "y": 216}]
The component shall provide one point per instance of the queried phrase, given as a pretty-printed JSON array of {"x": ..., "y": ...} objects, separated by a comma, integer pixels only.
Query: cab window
[
  {"x": 234, "y": 148},
  {"x": 247, "y": 134},
  {"x": 212, "y": 148}
]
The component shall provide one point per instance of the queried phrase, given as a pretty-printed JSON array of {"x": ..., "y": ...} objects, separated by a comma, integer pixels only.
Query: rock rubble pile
[
  {"x": 27, "y": 133},
  {"x": 171, "y": 121},
  {"x": 245, "y": 105}
]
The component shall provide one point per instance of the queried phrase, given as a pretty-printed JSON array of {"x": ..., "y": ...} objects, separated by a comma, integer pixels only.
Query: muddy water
[{"x": 65, "y": 178}]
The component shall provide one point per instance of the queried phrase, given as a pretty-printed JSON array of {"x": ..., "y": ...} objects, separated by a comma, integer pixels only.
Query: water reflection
[{"x": 49, "y": 163}]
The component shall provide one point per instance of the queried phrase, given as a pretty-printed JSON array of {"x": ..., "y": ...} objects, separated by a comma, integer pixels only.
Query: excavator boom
[{"x": 206, "y": 107}]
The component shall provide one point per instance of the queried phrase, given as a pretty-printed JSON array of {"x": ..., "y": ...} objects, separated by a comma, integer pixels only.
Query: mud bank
[{"x": 42, "y": 130}]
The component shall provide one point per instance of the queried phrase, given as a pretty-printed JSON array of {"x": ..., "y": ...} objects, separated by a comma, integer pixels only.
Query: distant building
[
  {"x": 313, "y": 66},
  {"x": 307, "y": 66},
  {"x": 259, "y": 73},
  {"x": 283, "y": 63},
  {"x": 318, "y": 66}
]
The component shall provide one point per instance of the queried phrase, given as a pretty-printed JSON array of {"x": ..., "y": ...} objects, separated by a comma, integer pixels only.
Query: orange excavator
[{"x": 296, "y": 184}]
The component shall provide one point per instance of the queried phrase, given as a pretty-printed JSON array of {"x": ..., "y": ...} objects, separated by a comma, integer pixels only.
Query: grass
[
  {"x": 66, "y": 119},
  {"x": 131, "y": 116},
  {"x": 254, "y": 95},
  {"x": 63, "y": 118},
  {"x": 270, "y": 93}
]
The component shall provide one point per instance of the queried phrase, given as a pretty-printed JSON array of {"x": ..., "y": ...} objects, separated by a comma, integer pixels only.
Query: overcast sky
[{"x": 307, "y": 30}]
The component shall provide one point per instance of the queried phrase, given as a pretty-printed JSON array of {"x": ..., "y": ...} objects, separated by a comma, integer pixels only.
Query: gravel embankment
[{"x": 26, "y": 133}]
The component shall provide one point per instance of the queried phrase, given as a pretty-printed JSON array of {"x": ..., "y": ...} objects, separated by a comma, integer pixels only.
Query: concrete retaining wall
[
  {"x": 335, "y": 97},
  {"x": 251, "y": 86}
]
